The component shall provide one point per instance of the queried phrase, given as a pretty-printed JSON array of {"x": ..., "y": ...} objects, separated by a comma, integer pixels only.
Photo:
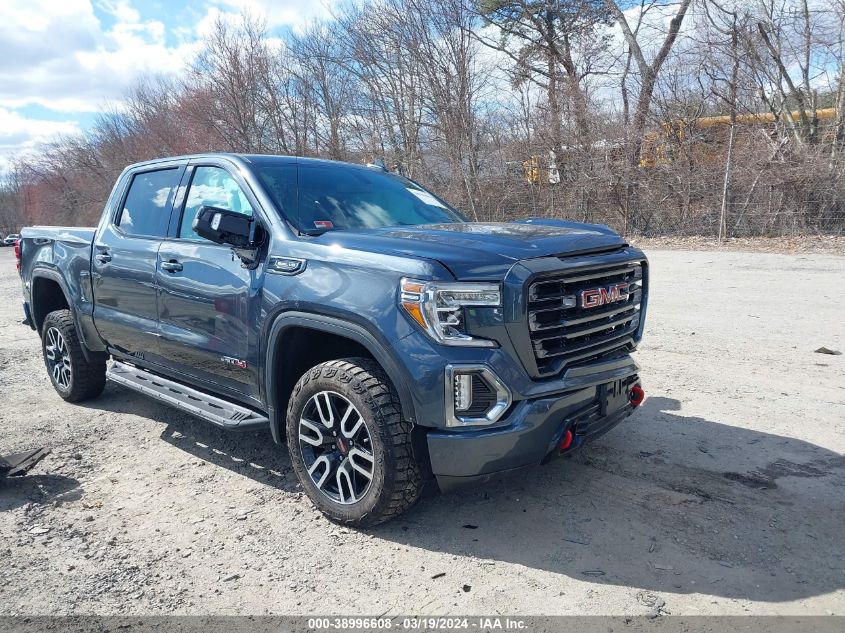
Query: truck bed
[
  {"x": 56, "y": 266},
  {"x": 73, "y": 234}
]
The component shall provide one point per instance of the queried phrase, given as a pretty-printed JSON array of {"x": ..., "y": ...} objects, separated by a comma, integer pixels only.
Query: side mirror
[{"x": 224, "y": 227}]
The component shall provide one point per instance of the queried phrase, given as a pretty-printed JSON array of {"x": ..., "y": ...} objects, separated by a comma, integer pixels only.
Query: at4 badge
[{"x": 237, "y": 362}]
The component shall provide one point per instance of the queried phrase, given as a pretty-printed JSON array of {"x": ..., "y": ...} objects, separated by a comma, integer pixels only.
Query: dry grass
[{"x": 822, "y": 244}]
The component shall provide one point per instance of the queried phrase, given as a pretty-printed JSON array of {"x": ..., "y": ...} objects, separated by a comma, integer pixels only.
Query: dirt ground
[{"x": 724, "y": 494}]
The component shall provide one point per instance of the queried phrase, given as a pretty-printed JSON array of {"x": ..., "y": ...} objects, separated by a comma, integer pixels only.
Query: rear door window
[{"x": 146, "y": 208}]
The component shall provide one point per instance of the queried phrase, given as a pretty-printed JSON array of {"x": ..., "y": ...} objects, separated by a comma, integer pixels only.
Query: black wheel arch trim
[
  {"x": 49, "y": 274},
  {"x": 332, "y": 325}
]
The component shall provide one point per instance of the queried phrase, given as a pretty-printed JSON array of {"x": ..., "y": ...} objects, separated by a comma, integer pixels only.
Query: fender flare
[
  {"x": 49, "y": 274},
  {"x": 333, "y": 325}
]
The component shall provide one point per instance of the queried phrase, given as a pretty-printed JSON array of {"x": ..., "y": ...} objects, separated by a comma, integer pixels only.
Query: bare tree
[
  {"x": 452, "y": 84},
  {"x": 725, "y": 22},
  {"x": 321, "y": 67},
  {"x": 230, "y": 72},
  {"x": 557, "y": 41},
  {"x": 390, "y": 104},
  {"x": 648, "y": 71},
  {"x": 681, "y": 130}
]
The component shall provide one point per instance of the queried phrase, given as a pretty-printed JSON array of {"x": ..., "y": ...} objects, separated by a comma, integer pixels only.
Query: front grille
[{"x": 564, "y": 332}]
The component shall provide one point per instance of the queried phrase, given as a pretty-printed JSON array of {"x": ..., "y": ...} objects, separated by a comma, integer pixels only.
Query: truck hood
[{"x": 479, "y": 250}]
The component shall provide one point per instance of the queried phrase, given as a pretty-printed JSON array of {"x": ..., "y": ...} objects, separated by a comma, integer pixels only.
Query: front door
[
  {"x": 124, "y": 261},
  {"x": 207, "y": 301}
]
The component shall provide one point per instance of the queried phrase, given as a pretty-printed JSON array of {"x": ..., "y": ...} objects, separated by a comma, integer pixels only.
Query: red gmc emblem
[{"x": 595, "y": 297}]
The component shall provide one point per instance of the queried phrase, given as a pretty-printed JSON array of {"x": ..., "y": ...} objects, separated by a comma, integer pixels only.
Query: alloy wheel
[
  {"x": 58, "y": 358},
  {"x": 336, "y": 447}
]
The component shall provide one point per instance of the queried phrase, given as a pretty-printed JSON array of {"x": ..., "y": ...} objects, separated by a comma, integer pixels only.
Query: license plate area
[{"x": 613, "y": 396}]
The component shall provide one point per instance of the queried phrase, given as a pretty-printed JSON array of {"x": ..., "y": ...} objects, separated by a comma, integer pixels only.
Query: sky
[{"x": 62, "y": 61}]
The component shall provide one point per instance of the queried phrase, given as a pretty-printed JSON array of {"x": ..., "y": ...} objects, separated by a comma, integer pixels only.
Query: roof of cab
[{"x": 249, "y": 159}]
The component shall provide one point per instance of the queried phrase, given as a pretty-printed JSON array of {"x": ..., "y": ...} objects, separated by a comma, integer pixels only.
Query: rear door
[
  {"x": 125, "y": 258},
  {"x": 208, "y": 302}
]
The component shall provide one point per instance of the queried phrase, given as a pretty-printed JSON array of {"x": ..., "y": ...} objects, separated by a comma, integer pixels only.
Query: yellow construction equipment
[{"x": 656, "y": 147}]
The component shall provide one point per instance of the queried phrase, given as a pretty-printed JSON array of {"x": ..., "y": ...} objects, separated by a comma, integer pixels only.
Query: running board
[{"x": 210, "y": 408}]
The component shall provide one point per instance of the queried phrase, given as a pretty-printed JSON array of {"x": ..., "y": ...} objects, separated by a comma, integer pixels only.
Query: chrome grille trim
[{"x": 561, "y": 336}]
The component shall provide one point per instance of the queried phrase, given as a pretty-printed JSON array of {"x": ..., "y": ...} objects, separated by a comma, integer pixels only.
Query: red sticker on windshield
[{"x": 323, "y": 224}]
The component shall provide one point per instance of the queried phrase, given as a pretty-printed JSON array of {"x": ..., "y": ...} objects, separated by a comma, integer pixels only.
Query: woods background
[{"x": 703, "y": 117}]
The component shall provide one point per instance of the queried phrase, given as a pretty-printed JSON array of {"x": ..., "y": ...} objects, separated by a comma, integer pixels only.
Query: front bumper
[{"x": 532, "y": 433}]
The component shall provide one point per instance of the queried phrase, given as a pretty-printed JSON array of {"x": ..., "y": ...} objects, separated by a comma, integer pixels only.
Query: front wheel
[
  {"x": 348, "y": 444},
  {"x": 73, "y": 377}
]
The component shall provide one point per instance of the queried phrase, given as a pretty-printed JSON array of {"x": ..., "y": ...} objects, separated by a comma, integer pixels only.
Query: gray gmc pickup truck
[{"x": 361, "y": 318}]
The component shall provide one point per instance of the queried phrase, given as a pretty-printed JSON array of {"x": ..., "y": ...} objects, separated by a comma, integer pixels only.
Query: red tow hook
[
  {"x": 637, "y": 395},
  {"x": 566, "y": 440}
]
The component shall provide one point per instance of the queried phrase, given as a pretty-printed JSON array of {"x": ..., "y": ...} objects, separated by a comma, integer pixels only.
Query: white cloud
[
  {"x": 19, "y": 134},
  {"x": 59, "y": 55},
  {"x": 120, "y": 9},
  {"x": 293, "y": 13}
]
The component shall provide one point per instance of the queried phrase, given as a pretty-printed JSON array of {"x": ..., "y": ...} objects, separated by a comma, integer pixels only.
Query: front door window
[{"x": 211, "y": 187}]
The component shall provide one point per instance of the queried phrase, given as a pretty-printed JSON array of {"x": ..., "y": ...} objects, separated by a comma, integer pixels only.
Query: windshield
[{"x": 324, "y": 196}]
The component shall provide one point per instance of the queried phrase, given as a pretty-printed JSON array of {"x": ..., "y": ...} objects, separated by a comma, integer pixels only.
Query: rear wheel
[
  {"x": 348, "y": 444},
  {"x": 73, "y": 377}
]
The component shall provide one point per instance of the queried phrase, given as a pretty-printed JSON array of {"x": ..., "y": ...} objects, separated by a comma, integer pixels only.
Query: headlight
[{"x": 438, "y": 307}]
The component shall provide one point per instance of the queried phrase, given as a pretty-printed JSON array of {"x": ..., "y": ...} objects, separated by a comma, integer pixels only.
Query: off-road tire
[
  {"x": 87, "y": 379},
  {"x": 397, "y": 481}
]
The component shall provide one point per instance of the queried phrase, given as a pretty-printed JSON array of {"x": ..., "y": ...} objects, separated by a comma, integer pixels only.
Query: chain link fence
[{"x": 798, "y": 191}]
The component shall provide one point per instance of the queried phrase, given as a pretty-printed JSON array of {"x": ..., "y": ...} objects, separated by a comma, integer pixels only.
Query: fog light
[
  {"x": 474, "y": 395},
  {"x": 463, "y": 392}
]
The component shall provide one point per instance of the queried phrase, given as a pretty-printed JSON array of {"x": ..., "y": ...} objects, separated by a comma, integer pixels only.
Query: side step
[{"x": 216, "y": 410}]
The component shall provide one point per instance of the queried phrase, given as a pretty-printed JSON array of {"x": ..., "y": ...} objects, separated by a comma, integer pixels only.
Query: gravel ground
[{"x": 724, "y": 494}]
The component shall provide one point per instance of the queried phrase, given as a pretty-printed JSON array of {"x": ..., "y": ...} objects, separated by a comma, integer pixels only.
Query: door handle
[
  {"x": 172, "y": 266},
  {"x": 102, "y": 258}
]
